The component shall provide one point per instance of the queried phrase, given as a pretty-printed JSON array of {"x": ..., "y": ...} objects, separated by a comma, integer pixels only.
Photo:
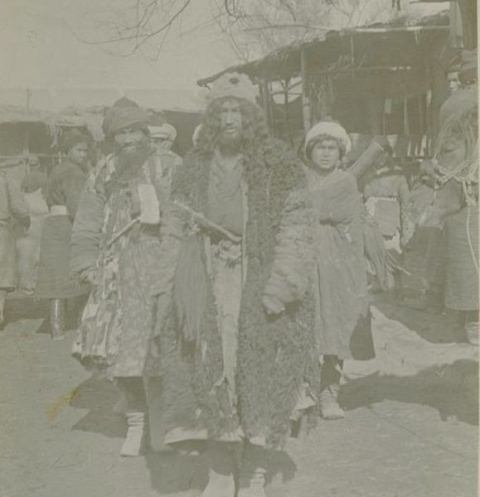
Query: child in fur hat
[{"x": 340, "y": 278}]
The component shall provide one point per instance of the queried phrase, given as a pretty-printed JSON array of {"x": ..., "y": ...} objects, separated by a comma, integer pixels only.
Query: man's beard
[
  {"x": 230, "y": 144},
  {"x": 132, "y": 156}
]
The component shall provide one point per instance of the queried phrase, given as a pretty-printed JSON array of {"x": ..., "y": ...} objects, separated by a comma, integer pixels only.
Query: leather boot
[
  {"x": 57, "y": 319},
  {"x": 133, "y": 444},
  {"x": 329, "y": 403},
  {"x": 252, "y": 477},
  {"x": 221, "y": 469}
]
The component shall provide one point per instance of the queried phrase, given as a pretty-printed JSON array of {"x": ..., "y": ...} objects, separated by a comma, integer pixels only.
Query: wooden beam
[
  {"x": 265, "y": 92},
  {"x": 306, "y": 106}
]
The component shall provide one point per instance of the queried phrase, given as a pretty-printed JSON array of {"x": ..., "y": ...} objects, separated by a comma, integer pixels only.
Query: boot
[
  {"x": 329, "y": 403},
  {"x": 472, "y": 328},
  {"x": 133, "y": 444},
  {"x": 57, "y": 319},
  {"x": 252, "y": 477},
  {"x": 221, "y": 482}
]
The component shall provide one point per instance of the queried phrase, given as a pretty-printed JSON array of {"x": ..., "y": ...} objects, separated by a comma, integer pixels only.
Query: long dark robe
[
  {"x": 340, "y": 267},
  {"x": 64, "y": 187}
]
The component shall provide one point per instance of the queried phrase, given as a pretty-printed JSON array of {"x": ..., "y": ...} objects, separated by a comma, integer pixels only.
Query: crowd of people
[{"x": 238, "y": 277}]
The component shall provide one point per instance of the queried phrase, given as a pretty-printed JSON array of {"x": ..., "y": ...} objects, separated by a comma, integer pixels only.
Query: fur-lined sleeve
[{"x": 293, "y": 255}]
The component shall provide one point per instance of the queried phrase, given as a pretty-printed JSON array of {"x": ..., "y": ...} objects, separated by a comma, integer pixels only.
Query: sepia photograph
[{"x": 239, "y": 248}]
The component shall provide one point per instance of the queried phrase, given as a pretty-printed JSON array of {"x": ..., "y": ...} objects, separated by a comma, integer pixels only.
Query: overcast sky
[{"x": 40, "y": 48}]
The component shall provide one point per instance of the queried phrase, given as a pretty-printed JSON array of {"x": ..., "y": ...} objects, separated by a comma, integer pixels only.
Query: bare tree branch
[
  {"x": 252, "y": 27},
  {"x": 287, "y": 26},
  {"x": 139, "y": 30}
]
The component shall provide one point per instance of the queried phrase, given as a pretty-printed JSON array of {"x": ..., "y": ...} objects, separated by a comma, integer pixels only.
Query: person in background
[
  {"x": 28, "y": 244},
  {"x": 116, "y": 247},
  {"x": 455, "y": 204},
  {"x": 162, "y": 138},
  {"x": 63, "y": 189},
  {"x": 437, "y": 199},
  {"x": 453, "y": 80},
  {"x": 386, "y": 196},
  {"x": 340, "y": 274},
  {"x": 13, "y": 209}
]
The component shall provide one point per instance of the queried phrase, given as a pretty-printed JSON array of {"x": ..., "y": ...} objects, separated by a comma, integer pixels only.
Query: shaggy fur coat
[{"x": 276, "y": 355}]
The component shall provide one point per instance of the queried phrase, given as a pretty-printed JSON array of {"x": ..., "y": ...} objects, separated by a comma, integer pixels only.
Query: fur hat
[
  {"x": 73, "y": 137},
  {"x": 233, "y": 85},
  {"x": 124, "y": 113},
  {"x": 330, "y": 129},
  {"x": 165, "y": 131}
]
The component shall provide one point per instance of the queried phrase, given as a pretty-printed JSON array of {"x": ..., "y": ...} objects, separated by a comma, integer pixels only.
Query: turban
[
  {"x": 124, "y": 113},
  {"x": 328, "y": 129},
  {"x": 73, "y": 137},
  {"x": 233, "y": 85},
  {"x": 165, "y": 131}
]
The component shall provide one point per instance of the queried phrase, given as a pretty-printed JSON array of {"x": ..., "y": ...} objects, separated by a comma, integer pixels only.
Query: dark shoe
[
  {"x": 251, "y": 481},
  {"x": 221, "y": 480}
]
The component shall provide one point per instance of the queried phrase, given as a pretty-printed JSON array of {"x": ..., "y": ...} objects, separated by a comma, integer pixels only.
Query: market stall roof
[
  {"x": 18, "y": 114},
  {"x": 57, "y": 99},
  {"x": 284, "y": 62}
]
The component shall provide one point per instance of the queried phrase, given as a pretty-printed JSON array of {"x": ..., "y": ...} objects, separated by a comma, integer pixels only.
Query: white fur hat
[
  {"x": 233, "y": 85},
  {"x": 331, "y": 129},
  {"x": 165, "y": 131}
]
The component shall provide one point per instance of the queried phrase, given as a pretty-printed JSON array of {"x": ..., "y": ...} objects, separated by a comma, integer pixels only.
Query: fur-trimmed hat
[
  {"x": 165, "y": 131},
  {"x": 124, "y": 113},
  {"x": 328, "y": 129},
  {"x": 233, "y": 85}
]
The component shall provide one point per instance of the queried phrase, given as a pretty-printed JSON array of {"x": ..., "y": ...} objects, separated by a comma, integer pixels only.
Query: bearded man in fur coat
[{"x": 238, "y": 351}]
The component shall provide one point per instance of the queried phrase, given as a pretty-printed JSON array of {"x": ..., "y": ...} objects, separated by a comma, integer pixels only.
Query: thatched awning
[{"x": 285, "y": 62}]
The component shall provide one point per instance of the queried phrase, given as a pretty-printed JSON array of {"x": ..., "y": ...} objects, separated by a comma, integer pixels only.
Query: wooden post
[
  {"x": 265, "y": 97},
  {"x": 306, "y": 106},
  {"x": 29, "y": 96},
  {"x": 265, "y": 92},
  {"x": 352, "y": 55},
  {"x": 286, "y": 120}
]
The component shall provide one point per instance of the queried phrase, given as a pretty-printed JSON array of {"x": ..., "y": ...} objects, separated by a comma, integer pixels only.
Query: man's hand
[
  {"x": 272, "y": 305},
  {"x": 383, "y": 142},
  {"x": 89, "y": 276}
]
